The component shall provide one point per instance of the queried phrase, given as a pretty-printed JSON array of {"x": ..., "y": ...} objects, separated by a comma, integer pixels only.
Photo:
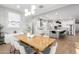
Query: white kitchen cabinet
[{"x": 70, "y": 25}]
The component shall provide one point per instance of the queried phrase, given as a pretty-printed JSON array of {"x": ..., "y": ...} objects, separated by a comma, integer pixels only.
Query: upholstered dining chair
[{"x": 63, "y": 33}]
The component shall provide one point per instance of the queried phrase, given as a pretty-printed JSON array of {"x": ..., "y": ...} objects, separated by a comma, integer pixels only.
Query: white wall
[
  {"x": 4, "y": 19},
  {"x": 68, "y": 11}
]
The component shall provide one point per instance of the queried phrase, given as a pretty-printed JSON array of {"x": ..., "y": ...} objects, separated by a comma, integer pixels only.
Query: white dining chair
[
  {"x": 14, "y": 42},
  {"x": 53, "y": 48}
]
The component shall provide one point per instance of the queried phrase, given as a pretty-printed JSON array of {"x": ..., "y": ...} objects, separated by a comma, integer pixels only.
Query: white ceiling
[{"x": 46, "y": 7}]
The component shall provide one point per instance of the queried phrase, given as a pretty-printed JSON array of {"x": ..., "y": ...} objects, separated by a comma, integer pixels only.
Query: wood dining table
[{"x": 38, "y": 43}]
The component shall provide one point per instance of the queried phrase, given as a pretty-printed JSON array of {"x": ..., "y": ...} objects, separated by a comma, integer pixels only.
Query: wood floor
[{"x": 66, "y": 45}]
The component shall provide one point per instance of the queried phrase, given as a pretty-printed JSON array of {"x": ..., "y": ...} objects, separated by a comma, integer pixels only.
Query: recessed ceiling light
[
  {"x": 18, "y": 6},
  {"x": 41, "y": 6}
]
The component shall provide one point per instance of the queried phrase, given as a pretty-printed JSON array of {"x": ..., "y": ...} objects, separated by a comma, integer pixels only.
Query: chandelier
[{"x": 31, "y": 12}]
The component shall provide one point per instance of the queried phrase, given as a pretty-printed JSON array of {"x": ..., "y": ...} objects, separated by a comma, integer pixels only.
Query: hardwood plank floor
[{"x": 66, "y": 45}]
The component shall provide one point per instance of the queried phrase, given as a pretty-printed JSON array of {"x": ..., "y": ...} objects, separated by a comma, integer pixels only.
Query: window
[{"x": 14, "y": 20}]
